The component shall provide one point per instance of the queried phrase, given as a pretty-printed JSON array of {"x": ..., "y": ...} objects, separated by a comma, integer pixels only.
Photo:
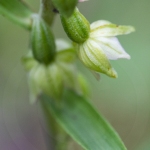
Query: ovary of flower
[{"x": 102, "y": 46}]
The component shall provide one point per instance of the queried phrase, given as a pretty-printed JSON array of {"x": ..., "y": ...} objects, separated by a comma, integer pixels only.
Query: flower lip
[{"x": 111, "y": 47}]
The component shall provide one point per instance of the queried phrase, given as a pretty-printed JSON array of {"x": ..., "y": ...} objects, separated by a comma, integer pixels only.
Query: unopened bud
[{"x": 46, "y": 79}]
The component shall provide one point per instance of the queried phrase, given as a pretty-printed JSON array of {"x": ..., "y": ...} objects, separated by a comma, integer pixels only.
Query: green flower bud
[
  {"x": 66, "y": 51},
  {"x": 53, "y": 78},
  {"x": 76, "y": 27},
  {"x": 28, "y": 61},
  {"x": 73, "y": 79},
  {"x": 65, "y": 7},
  {"x": 50, "y": 79},
  {"x": 46, "y": 79},
  {"x": 42, "y": 41}
]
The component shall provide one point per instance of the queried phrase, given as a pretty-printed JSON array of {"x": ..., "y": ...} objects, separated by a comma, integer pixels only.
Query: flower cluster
[
  {"x": 51, "y": 66},
  {"x": 56, "y": 76}
]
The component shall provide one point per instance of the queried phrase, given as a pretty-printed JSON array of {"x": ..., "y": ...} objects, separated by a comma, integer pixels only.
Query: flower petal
[
  {"x": 94, "y": 58},
  {"x": 110, "y": 30},
  {"x": 99, "y": 23},
  {"x": 112, "y": 48}
]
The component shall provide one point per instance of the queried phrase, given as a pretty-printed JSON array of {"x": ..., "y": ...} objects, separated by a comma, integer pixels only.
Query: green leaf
[
  {"x": 83, "y": 123},
  {"x": 16, "y": 11}
]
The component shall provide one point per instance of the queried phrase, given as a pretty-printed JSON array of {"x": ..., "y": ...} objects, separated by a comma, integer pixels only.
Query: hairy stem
[{"x": 46, "y": 11}]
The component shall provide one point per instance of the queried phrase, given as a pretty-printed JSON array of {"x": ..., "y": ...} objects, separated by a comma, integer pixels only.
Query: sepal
[{"x": 103, "y": 28}]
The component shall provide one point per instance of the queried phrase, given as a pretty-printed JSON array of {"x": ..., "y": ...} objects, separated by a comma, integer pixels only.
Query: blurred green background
[{"x": 124, "y": 101}]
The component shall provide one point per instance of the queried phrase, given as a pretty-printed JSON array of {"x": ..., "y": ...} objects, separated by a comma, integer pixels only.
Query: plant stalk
[
  {"x": 47, "y": 11},
  {"x": 60, "y": 138}
]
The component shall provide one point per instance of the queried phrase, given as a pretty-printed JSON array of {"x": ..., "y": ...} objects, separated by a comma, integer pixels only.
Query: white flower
[
  {"x": 96, "y": 43},
  {"x": 102, "y": 46}
]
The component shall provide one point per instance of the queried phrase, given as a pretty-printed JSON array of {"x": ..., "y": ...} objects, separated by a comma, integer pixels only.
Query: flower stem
[
  {"x": 46, "y": 11},
  {"x": 60, "y": 138}
]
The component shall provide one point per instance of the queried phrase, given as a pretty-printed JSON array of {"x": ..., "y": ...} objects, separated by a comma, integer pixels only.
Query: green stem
[
  {"x": 60, "y": 137},
  {"x": 46, "y": 11},
  {"x": 50, "y": 122}
]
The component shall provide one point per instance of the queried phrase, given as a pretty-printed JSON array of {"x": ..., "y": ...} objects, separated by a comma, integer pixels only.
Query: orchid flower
[{"x": 96, "y": 43}]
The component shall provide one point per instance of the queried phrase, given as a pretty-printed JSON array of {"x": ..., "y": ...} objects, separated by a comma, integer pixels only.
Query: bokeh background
[{"x": 125, "y": 101}]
